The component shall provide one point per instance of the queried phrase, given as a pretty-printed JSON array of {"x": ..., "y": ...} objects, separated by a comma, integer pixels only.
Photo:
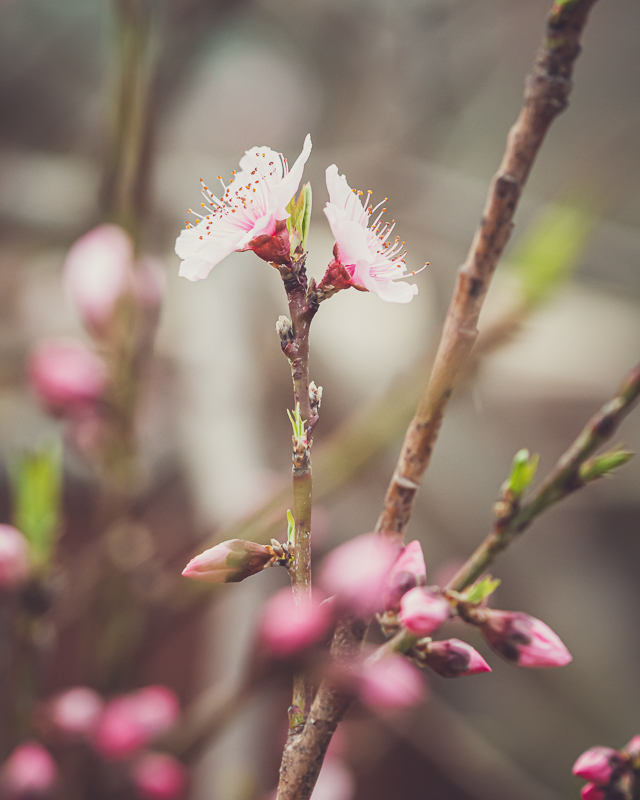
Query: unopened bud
[
  {"x": 67, "y": 377},
  {"x": 75, "y": 712},
  {"x": 599, "y": 765},
  {"x": 453, "y": 658},
  {"x": 228, "y": 562},
  {"x": 315, "y": 397},
  {"x": 525, "y": 640},
  {"x": 133, "y": 720},
  {"x": 408, "y": 572},
  {"x": 357, "y": 572},
  {"x": 14, "y": 557},
  {"x": 592, "y": 792},
  {"x": 29, "y": 773},
  {"x": 158, "y": 776},
  {"x": 391, "y": 682},
  {"x": 284, "y": 328},
  {"x": 424, "y": 610},
  {"x": 288, "y": 627},
  {"x": 97, "y": 272},
  {"x": 604, "y": 464}
]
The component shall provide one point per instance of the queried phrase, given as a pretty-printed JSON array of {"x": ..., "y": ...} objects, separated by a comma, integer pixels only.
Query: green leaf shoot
[
  {"x": 523, "y": 471},
  {"x": 605, "y": 463},
  {"x": 483, "y": 588}
]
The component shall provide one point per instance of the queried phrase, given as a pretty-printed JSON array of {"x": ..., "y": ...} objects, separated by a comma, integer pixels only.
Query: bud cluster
[
  {"x": 119, "y": 731},
  {"x": 611, "y": 774}
]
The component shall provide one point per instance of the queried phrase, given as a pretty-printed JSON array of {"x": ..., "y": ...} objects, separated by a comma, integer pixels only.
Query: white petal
[
  {"x": 283, "y": 193},
  {"x": 343, "y": 197},
  {"x": 350, "y": 237},
  {"x": 264, "y": 159},
  {"x": 395, "y": 291}
]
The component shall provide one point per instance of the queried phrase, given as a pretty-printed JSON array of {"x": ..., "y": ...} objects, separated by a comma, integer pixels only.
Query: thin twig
[
  {"x": 562, "y": 481},
  {"x": 546, "y": 93}
]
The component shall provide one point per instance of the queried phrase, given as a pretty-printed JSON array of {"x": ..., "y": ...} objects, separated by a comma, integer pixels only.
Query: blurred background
[{"x": 413, "y": 100}]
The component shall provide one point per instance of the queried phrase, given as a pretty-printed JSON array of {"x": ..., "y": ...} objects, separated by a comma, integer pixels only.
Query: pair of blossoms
[
  {"x": 612, "y": 774},
  {"x": 372, "y": 575},
  {"x": 119, "y": 731},
  {"x": 254, "y": 213}
]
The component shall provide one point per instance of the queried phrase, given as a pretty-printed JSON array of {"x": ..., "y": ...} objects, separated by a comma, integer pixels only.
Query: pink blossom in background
[
  {"x": 452, "y": 658},
  {"x": 158, "y": 776},
  {"x": 424, "y": 610},
  {"x": 523, "y": 639},
  {"x": 592, "y": 792},
  {"x": 131, "y": 721},
  {"x": 373, "y": 263},
  {"x": 598, "y": 764},
  {"x": 287, "y": 628},
  {"x": 335, "y": 782},
  {"x": 228, "y": 562},
  {"x": 247, "y": 214},
  {"x": 29, "y": 772},
  {"x": 357, "y": 572},
  {"x": 408, "y": 572},
  {"x": 67, "y": 377},
  {"x": 392, "y": 682},
  {"x": 76, "y": 712},
  {"x": 97, "y": 272},
  {"x": 632, "y": 748},
  {"x": 14, "y": 557}
]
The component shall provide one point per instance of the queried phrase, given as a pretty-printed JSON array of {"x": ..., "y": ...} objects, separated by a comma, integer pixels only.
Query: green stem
[{"x": 562, "y": 481}]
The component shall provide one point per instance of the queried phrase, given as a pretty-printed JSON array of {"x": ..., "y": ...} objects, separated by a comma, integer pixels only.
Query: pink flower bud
[
  {"x": 598, "y": 765},
  {"x": 228, "y": 562},
  {"x": 391, "y": 682},
  {"x": 523, "y": 639},
  {"x": 14, "y": 557},
  {"x": 592, "y": 792},
  {"x": 157, "y": 776},
  {"x": 408, "y": 572},
  {"x": 97, "y": 272},
  {"x": 131, "y": 721},
  {"x": 67, "y": 377},
  {"x": 76, "y": 712},
  {"x": 357, "y": 572},
  {"x": 287, "y": 628},
  {"x": 423, "y": 611},
  {"x": 453, "y": 658},
  {"x": 29, "y": 772},
  {"x": 632, "y": 748}
]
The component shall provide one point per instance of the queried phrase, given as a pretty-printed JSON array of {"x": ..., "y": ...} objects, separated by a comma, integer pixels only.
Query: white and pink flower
[
  {"x": 249, "y": 215},
  {"x": 374, "y": 263}
]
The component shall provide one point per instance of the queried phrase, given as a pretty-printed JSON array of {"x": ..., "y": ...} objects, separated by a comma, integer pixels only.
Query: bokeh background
[{"x": 411, "y": 99}]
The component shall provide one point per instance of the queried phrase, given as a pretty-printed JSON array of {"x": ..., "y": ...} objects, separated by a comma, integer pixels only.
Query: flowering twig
[
  {"x": 567, "y": 477},
  {"x": 546, "y": 94},
  {"x": 547, "y": 90}
]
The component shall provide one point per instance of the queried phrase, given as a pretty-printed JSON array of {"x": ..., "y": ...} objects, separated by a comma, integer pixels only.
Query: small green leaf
[
  {"x": 300, "y": 215},
  {"x": 291, "y": 527},
  {"x": 36, "y": 480},
  {"x": 305, "y": 220},
  {"x": 523, "y": 471},
  {"x": 550, "y": 250},
  {"x": 297, "y": 423},
  {"x": 476, "y": 593},
  {"x": 605, "y": 463}
]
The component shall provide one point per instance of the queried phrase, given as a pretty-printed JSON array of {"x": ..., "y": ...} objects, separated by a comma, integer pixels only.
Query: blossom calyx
[
  {"x": 599, "y": 765},
  {"x": 424, "y": 610},
  {"x": 408, "y": 572},
  {"x": 453, "y": 658},
  {"x": 229, "y": 562},
  {"x": 525, "y": 640}
]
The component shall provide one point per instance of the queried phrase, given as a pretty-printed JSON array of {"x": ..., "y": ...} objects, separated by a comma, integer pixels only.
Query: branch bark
[{"x": 546, "y": 92}]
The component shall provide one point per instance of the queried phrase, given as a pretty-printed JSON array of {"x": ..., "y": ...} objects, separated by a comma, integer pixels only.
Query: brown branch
[{"x": 546, "y": 93}]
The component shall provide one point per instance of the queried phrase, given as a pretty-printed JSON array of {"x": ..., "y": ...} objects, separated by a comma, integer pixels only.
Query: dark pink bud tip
[
  {"x": 592, "y": 792},
  {"x": 453, "y": 658},
  {"x": 598, "y": 765},
  {"x": 408, "y": 572},
  {"x": 523, "y": 639}
]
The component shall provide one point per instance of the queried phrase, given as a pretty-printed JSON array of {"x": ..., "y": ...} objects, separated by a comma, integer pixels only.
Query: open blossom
[
  {"x": 373, "y": 262},
  {"x": 249, "y": 215},
  {"x": 524, "y": 639}
]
